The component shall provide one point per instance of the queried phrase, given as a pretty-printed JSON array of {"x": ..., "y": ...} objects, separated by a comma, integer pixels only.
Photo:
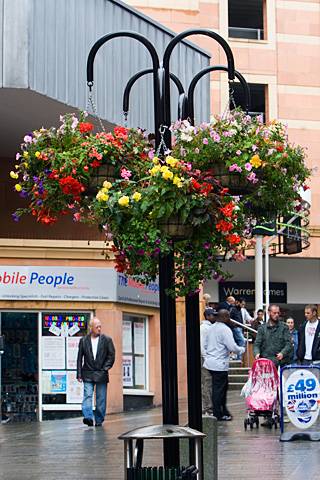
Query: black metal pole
[{"x": 170, "y": 412}]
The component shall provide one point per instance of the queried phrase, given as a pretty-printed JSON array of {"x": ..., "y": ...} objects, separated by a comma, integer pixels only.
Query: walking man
[
  {"x": 220, "y": 344},
  {"x": 273, "y": 339},
  {"x": 210, "y": 316},
  {"x": 96, "y": 356},
  {"x": 309, "y": 337}
]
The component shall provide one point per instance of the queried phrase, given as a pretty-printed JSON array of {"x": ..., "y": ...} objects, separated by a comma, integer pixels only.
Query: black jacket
[
  {"x": 90, "y": 370},
  {"x": 302, "y": 343}
]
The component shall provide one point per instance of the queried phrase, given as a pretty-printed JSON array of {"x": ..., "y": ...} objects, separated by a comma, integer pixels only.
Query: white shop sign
[
  {"x": 57, "y": 283},
  {"x": 74, "y": 283}
]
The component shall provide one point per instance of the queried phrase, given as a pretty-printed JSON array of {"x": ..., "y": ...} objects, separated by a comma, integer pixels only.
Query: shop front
[{"x": 42, "y": 319}]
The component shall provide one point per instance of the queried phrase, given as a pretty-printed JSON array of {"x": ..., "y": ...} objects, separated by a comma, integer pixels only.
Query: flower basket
[
  {"x": 174, "y": 228},
  {"x": 107, "y": 172},
  {"x": 234, "y": 181}
]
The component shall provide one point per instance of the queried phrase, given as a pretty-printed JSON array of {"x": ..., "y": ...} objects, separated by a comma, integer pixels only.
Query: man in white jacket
[
  {"x": 219, "y": 344},
  {"x": 206, "y": 383}
]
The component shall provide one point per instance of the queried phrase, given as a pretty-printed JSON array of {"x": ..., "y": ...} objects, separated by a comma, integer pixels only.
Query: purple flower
[
  {"x": 15, "y": 217},
  {"x": 156, "y": 251},
  {"x": 206, "y": 245},
  {"x": 215, "y": 136},
  {"x": 27, "y": 139},
  {"x": 248, "y": 167},
  {"x": 35, "y": 179},
  {"x": 140, "y": 251},
  {"x": 205, "y": 141},
  {"x": 151, "y": 154},
  {"x": 158, "y": 241},
  {"x": 23, "y": 194},
  {"x": 39, "y": 202}
]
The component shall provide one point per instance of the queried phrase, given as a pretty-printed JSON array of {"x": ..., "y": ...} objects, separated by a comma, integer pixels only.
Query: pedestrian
[
  {"x": 96, "y": 356},
  {"x": 246, "y": 317},
  {"x": 259, "y": 320},
  {"x": 206, "y": 383},
  {"x": 236, "y": 314},
  {"x": 227, "y": 304},
  {"x": 273, "y": 339},
  {"x": 220, "y": 344},
  {"x": 294, "y": 337},
  {"x": 309, "y": 337}
]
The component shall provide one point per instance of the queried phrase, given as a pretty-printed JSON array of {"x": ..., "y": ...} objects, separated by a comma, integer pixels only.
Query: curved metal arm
[
  {"x": 134, "y": 78},
  {"x": 158, "y": 111},
  {"x": 210, "y": 69},
  {"x": 167, "y": 54}
]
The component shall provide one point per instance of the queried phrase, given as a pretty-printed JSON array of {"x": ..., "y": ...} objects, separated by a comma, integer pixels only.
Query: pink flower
[
  {"x": 235, "y": 168},
  {"x": 254, "y": 148},
  {"x": 76, "y": 217},
  {"x": 18, "y": 156},
  {"x": 216, "y": 137},
  {"x": 205, "y": 141},
  {"x": 126, "y": 174},
  {"x": 151, "y": 154},
  {"x": 27, "y": 139},
  {"x": 196, "y": 150},
  {"x": 238, "y": 152},
  {"x": 252, "y": 178},
  {"x": 248, "y": 167}
]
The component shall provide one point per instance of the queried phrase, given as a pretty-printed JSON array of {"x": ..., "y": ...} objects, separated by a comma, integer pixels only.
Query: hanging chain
[
  {"x": 125, "y": 119},
  {"x": 91, "y": 103},
  {"x": 231, "y": 104},
  {"x": 162, "y": 143}
]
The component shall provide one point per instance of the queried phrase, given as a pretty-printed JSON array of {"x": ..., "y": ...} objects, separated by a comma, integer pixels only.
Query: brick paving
[{"x": 68, "y": 450}]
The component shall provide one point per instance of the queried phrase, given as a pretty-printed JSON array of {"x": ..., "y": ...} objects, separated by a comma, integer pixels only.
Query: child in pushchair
[{"x": 261, "y": 392}]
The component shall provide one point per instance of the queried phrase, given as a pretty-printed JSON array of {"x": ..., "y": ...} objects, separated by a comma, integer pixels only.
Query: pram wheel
[
  {"x": 257, "y": 422},
  {"x": 251, "y": 421},
  {"x": 245, "y": 424}
]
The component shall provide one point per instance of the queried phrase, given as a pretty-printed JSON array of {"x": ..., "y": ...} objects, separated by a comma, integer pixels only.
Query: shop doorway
[{"x": 19, "y": 366}]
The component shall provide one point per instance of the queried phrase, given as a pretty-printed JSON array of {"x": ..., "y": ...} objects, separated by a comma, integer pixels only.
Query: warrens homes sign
[{"x": 278, "y": 291}]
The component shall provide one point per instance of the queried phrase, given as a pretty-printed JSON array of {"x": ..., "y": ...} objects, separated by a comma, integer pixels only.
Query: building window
[
  {"x": 246, "y": 19},
  {"x": 134, "y": 358},
  {"x": 258, "y": 98}
]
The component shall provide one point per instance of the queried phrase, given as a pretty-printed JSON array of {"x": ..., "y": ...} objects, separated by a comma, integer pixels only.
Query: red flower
[
  {"x": 206, "y": 188},
  {"x": 227, "y": 210},
  {"x": 280, "y": 148},
  {"x": 223, "y": 226},
  {"x": 71, "y": 186},
  {"x": 233, "y": 239},
  {"x": 121, "y": 132},
  {"x": 196, "y": 185},
  {"x": 85, "y": 127}
]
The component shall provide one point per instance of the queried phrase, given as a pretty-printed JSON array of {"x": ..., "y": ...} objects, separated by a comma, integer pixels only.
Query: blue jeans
[
  {"x": 239, "y": 339},
  {"x": 101, "y": 400}
]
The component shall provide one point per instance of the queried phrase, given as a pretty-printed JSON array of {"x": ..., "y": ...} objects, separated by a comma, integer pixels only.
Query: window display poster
[
  {"x": 46, "y": 382},
  {"x": 72, "y": 352},
  {"x": 140, "y": 372},
  {"x": 126, "y": 336},
  {"x": 58, "y": 382},
  {"x": 53, "y": 353},
  {"x": 138, "y": 335},
  {"x": 74, "y": 388},
  {"x": 127, "y": 368}
]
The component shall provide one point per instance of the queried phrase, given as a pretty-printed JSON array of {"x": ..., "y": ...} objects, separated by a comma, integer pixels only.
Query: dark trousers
[{"x": 219, "y": 393}]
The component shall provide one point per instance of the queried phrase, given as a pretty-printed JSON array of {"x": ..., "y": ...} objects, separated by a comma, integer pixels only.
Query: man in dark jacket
[
  {"x": 309, "y": 337},
  {"x": 273, "y": 339},
  {"x": 96, "y": 356}
]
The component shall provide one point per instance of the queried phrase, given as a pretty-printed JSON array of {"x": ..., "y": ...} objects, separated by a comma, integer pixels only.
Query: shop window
[
  {"x": 258, "y": 98},
  {"x": 134, "y": 358},
  {"x": 246, "y": 19}
]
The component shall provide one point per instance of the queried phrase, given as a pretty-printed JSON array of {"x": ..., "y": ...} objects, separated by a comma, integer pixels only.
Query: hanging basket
[
  {"x": 234, "y": 181},
  {"x": 103, "y": 173},
  {"x": 175, "y": 228}
]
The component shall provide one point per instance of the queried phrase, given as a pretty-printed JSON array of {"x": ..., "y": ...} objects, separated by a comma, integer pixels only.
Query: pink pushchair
[{"x": 261, "y": 392}]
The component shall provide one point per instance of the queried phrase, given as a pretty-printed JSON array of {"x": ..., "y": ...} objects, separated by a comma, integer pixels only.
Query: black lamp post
[{"x": 162, "y": 117}]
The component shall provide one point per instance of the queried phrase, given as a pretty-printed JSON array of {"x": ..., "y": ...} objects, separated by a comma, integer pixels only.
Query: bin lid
[{"x": 162, "y": 431}]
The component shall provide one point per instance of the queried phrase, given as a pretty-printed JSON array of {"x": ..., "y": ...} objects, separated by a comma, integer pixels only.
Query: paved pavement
[{"x": 69, "y": 450}]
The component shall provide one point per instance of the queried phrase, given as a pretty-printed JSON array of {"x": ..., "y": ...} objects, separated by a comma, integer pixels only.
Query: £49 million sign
[{"x": 301, "y": 395}]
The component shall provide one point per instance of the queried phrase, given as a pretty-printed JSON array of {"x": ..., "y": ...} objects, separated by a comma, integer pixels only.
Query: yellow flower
[
  {"x": 124, "y": 201},
  {"x": 256, "y": 161},
  {"x": 177, "y": 181},
  {"x": 164, "y": 168},
  {"x": 14, "y": 175},
  {"x": 25, "y": 164},
  {"x": 154, "y": 170},
  {"x": 16, "y": 167},
  {"x": 107, "y": 185},
  {"x": 136, "y": 196},
  {"x": 155, "y": 160},
  {"x": 167, "y": 175},
  {"x": 18, "y": 187},
  {"x": 102, "y": 196},
  {"x": 171, "y": 161},
  {"x": 25, "y": 154},
  {"x": 37, "y": 154}
]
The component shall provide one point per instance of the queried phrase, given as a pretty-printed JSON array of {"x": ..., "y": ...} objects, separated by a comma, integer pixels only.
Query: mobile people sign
[{"x": 300, "y": 401}]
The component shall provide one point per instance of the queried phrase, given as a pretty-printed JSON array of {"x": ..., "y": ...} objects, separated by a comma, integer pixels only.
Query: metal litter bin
[{"x": 133, "y": 456}]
